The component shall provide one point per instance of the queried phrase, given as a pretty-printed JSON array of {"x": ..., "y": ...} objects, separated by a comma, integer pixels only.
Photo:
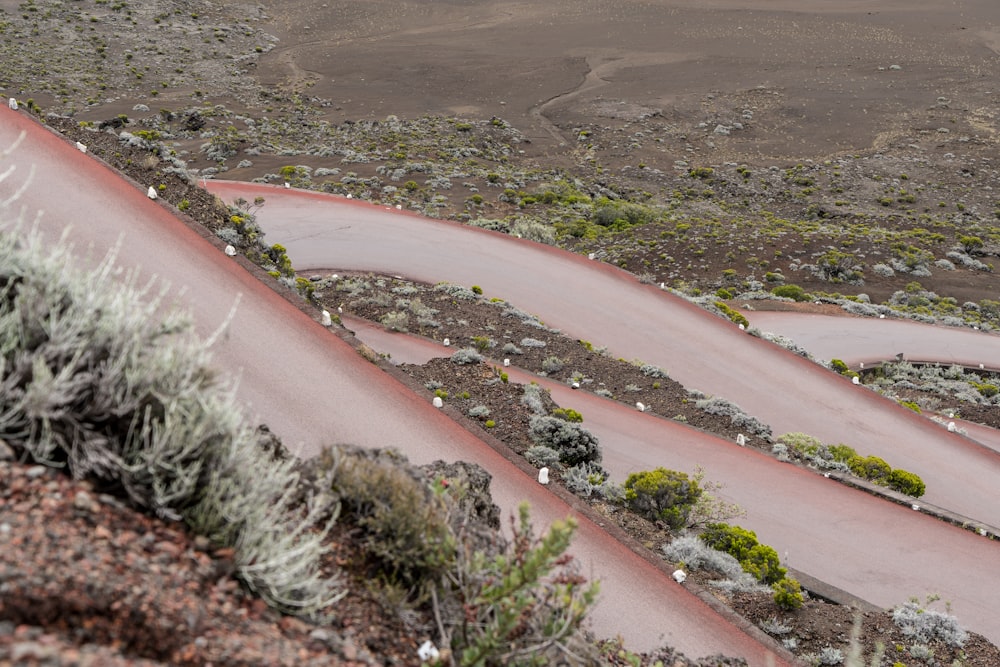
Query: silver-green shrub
[
  {"x": 99, "y": 375},
  {"x": 925, "y": 625},
  {"x": 739, "y": 419},
  {"x": 466, "y": 356},
  {"x": 574, "y": 443}
]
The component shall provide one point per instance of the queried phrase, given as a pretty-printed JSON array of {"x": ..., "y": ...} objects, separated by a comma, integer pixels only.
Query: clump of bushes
[
  {"x": 845, "y": 459},
  {"x": 734, "y": 316},
  {"x": 759, "y": 560}
]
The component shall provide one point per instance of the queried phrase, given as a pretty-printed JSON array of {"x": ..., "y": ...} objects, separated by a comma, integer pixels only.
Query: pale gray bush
[
  {"x": 541, "y": 456},
  {"x": 479, "y": 411},
  {"x": 552, "y": 364},
  {"x": 532, "y": 399},
  {"x": 532, "y": 342},
  {"x": 574, "y": 443},
  {"x": 740, "y": 419},
  {"x": 534, "y": 231},
  {"x": 696, "y": 555},
  {"x": 590, "y": 479},
  {"x": 466, "y": 356},
  {"x": 100, "y": 375},
  {"x": 925, "y": 625},
  {"x": 510, "y": 348},
  {"x": 456, "y": 291},
  {"x": 395, "y": 321},
  {"x": 652, "y": 371}
]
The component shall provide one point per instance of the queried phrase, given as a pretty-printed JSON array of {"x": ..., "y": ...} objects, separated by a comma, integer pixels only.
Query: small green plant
[
  {"x": 906, "y": 482},
  {"x": 662, "y": 495},
  {"x": 872, "y": 468},
  {"x": 787, "y": 594},
  {"x": 522, "y": 606},
  {"x": 734, "y": 315},
  {"x": 793, "y": 292},
  {"x": 569, "y": 414}
]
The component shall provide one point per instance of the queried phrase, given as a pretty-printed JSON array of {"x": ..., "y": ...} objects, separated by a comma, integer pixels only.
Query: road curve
[
  {"x": 277, "y": 350},
  {"x": 597, "y": 302},
  {"x": 877, "y": 550},
  {"x": 866, "y": 340}
]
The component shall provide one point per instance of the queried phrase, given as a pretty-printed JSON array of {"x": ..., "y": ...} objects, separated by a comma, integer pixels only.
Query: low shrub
[
  {"x": 694, "y": 554},
  {"x": 568, "y": 414},
  {"x": 733, "y": 540},
  {"x": 763, "y": 563},
  {"x": 541, "y": 456},
  {"x": 526, "y": 605},
  {"x": 793, "y": 292},
  {"x": 552, "y": 364},
  {"x": 906, "y": 482},
  {"x": 788, "y": 594},
  {"x": 872, "y": 468},
  {"x": 734, "y": 316},
  {"x": 404, "y": 523},
  {"x": 466, "y": 356},
  {"x": 841, "y": 453},
  {"x": 662, "y": 495},
  {"x": 925, "y": 625}
]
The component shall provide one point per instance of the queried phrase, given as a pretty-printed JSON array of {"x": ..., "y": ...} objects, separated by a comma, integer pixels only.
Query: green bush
[
  {"x": 839, "y": 366},
  {"x": 568, "y": 414},
  {"x": 787, "y": 594},
  {"x": 661, "y": 494},
  {"x": 841, "y": 453},
  {"x": 906, "y": 482},
  {"x": 733, "y": 540},
  {"x": 734, "y": 316},
  {"x": 790, "y": 292},
  {"x": 871, "y": 468},
  {"x": 763, "y": 563}
]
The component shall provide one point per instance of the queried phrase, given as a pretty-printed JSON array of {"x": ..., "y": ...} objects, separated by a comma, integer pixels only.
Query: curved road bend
[
  {"x": 880, "y": 551},
  {"x": 597, "y": 302},
  {"x": 278, "y": 351},
  {"x": 864, "y": 339}
]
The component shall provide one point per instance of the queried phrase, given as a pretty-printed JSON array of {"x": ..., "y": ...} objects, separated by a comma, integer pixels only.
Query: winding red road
[
  {"x": 879, "y": 551},
  {"x": 313, "y": 389},
  {"x": 599, "y": 303}
]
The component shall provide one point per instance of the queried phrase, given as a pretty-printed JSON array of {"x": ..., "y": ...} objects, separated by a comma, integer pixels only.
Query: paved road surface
[
  {"x": 313, "y": 389},
  {"x": 879, "y": 551},
  {"x": 597, "y": 302}
]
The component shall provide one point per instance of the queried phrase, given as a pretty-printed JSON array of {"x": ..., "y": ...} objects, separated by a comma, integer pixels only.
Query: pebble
[
  {"x": 35, "y": 472},
  {"x": 6, "y": 453},
  {"x": 85, "y": 502}
]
